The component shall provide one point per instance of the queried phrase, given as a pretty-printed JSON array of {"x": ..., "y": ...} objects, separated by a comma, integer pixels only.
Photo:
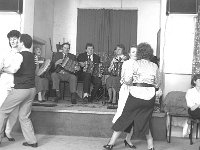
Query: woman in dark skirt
[
  {"x": 139, "y": 105},
  {"x": 113, "y": 81}
]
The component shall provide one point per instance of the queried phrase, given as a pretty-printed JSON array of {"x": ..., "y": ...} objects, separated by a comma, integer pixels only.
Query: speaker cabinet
[
  {"x": 182, "y": 7},
  {"x": 11, "y": 6}
]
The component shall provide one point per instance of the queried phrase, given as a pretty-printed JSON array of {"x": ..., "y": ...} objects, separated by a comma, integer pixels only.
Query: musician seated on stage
[
  {"x": 61, "y": 74},
  {"x": 86, "y": 59},
  {"x": 113, "y": 81},
  {"x": 41, "y": 83}
]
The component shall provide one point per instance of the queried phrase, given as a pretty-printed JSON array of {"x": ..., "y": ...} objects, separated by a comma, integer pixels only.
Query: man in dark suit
[
  {"x": 60, "y": 74},
  {"x": 87, "y": 77}
]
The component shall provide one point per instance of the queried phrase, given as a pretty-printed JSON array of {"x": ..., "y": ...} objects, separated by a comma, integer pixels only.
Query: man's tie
[{"x": 89, "y": 59}]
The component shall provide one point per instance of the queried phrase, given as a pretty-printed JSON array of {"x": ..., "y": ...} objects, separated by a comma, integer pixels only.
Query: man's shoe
[
  {"x": 85, "y": 100},
  {"x": 32, "y": 145},
  {"x": 90, "y": 99},
  {"x": 9, "y": 138}
]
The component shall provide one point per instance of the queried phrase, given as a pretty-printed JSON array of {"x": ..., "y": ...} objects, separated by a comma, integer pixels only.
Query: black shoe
[
  {"x": 108, "y": 147},
  {"x": 9, "y": 139},
  {"x": 32, "y": 145},
  {"x": 112, "y": 106},
  {"x": 41, "y": 101},
  {"x": 85, "y": 100},
  {"x": 127, "y": 144},
  {"x": 152, "y": 148}
]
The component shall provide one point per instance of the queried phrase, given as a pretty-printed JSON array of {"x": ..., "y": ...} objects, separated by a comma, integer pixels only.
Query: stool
[{"x": 192, "y": 122}]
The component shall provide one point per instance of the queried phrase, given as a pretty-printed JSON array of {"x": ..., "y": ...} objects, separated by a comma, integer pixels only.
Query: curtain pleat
[{"x": 106, "y": 28}]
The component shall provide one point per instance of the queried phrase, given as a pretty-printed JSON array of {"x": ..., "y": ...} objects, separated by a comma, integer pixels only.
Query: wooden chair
[
  {"x": 179, "y": 111},
  {"x": 171, "y": 115},
  {"x": 174, "y": 105}
]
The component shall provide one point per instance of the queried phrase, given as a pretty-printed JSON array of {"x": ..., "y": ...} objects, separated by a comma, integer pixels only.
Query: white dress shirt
[{"x": 192, "y": 97}]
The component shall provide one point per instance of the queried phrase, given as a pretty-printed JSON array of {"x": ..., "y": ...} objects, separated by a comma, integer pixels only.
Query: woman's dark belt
[{"x": 143, "y": 85}]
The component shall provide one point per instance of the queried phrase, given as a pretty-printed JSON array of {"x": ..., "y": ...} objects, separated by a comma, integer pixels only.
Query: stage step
[{"x": 89, "y": 121}]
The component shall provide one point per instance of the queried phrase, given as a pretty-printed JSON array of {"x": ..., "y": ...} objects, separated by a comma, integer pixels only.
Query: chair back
[{"x": 175, "y": 102}]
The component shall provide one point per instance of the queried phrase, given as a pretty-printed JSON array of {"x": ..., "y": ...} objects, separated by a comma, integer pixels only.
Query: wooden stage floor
[{"x": 66, "y": 106}]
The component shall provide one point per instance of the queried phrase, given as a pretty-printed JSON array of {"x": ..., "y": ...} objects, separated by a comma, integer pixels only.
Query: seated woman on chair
[
  {"x": 113, "y": 81},
  {"x": 193, "y": 98},
  {"x": 42, "y": 84}
]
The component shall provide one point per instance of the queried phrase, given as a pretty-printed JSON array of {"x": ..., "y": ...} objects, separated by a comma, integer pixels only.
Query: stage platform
[{"x": 90, "y": 120}]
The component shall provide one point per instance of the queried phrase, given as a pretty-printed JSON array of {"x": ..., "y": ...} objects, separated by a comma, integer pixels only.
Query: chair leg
[
  {"x": 63, "y": 97},
  {"x": 170, "y": 128},
  {"x": 197, "y": 130},
  {"x": 190, "y": 135}
]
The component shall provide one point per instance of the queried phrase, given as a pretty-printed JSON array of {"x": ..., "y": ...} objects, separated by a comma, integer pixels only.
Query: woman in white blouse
[
  {"x": 10, "y": 62},
  {"x": 138, "y": 108},
  {"x": 193, "y": 98}
]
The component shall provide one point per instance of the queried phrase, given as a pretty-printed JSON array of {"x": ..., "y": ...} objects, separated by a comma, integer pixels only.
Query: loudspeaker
[
  {"x": 182, "y": 7},
  {"x": 11, "y": 6}
]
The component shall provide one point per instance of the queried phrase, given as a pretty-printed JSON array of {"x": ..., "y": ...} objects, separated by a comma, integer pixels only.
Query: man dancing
[{"x": 23, "y": 93}]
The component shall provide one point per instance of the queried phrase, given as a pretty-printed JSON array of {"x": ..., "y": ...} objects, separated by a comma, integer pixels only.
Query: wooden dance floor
[{"x": 91, "y": 120}]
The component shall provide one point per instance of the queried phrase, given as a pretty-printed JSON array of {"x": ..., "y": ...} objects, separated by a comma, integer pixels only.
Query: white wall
[
  {"x": 13, "y": 21},
  {"x": 65, "y": 18},
  {"x": 10, "y": 21},
  {"x": 177, "y": 45},
  {"x": 43, "y": 24}
]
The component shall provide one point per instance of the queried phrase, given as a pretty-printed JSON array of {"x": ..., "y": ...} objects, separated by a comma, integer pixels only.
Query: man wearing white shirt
[{"x": 10, "y": 62}]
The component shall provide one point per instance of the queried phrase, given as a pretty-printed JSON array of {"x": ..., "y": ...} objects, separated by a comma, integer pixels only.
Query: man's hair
[
  {"x": 89, "y": 45},
  {"x": 66, "y": 43},
  {"x": 13, "y": 33},
  {"x": 194, "y": 78},
  {"x": 144, "y": 51},
  {"x": 27, "y": 40}
]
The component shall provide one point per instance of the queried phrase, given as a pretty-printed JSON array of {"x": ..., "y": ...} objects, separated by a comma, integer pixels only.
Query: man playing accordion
[
  {"x": 87, "y": 61},
  {"x": 61, "y": 74}
]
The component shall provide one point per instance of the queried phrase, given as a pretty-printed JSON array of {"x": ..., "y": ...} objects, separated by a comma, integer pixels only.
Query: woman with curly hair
[{"x": 138, "y": 109}]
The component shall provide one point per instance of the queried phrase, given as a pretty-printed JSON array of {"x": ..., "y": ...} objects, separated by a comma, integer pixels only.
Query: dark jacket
[{"x": 83, "y": 57}]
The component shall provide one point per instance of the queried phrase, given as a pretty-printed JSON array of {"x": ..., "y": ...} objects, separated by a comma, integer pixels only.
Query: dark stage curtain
[{"x": 106, "y": 28}]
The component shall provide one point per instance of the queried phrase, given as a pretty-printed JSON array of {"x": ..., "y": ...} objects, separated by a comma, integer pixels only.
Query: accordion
[
  {"x": 68, "y": 65},
  {"x": 95, "y": 69},
  {"x": 117, "y": 68}
]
